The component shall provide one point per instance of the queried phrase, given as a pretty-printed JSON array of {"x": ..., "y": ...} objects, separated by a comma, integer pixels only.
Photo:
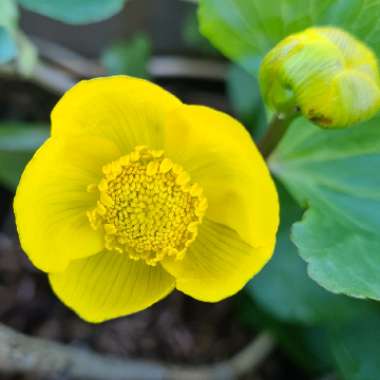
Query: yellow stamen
[{"x": 148, "y": 207}]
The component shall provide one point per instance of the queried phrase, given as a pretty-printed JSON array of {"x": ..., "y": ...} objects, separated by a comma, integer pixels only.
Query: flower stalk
[{"x": 276, "y": 130}]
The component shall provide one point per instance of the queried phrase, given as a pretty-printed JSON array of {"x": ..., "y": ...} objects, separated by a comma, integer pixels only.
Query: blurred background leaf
[
  {"x": 8, "y": 49},
  {"x": 308, "y": 346},
  {"x": 18, "y": 142},
  {"x": 8, "y": 25},
  {"x": 193, "y": 37},
  {"x": 27, "y": 56},
  {"x": 8, "y": 14},
  {"x": 244, "y": 95},
  {"x": 356, "y": 349},
  {"x": 129, "y": 57},
  {"x": 75, "y": 11}
]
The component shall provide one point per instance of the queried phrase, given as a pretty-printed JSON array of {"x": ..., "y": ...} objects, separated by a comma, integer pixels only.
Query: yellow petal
[
  {"x": 126, "y": 110},
  {"x": 218, "y": 264},
  {"x": 110, "y": 285},
  {"x": 53, "y": 197},
  {"x": 219, "y": 154}
]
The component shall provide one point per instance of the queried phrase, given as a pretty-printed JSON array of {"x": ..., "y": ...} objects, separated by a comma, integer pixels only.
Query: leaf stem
[{"x": 276, "y": 130}]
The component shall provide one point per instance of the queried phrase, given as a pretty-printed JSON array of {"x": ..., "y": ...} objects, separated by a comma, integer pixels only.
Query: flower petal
[
  {"x": 110, "y": 285},
  {"x": 218, "y": 264},
  {"x": 52, "y": 200},
  {"x": 126, "y": 110},
  {"x": 220, "y": 155}
]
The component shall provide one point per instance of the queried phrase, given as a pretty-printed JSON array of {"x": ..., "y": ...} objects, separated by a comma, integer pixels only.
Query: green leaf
[
  {"x": 75, "y": 11},
  {"x": 308, "y": 346},
  {"x": 356, "y": 349},
  {"x": 8, "y": 49},
  {"x": 27, "y": 56},
  {"x": 244, "y": 95},
  {"x": 8, "y": 26},
  {"x": 13, "y": 42},
  {"x": 8, "y": 14},
  {"x": 192, "y": 36},
  {"x": 18, "y": 142},
  {"x": 335, "y": 173},
  {"x": 245, "y": 30},
  {"x": 130, "y": 57},
  {"x": 284, "y": 289}
]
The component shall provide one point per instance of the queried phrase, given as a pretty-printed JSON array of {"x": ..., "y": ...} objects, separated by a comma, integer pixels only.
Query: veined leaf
[{"x": 335, "y": 174}]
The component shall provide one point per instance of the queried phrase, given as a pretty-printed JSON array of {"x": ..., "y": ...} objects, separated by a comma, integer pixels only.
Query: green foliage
[
  {"x": 284, "y": 289},
  {"x": 193, "y": 38},
  {"x": 245, "y": 30},
  {"x": 244, "y": 95},
  {"x": 8, "y": 48},
  {"x": 14, "y": 45},
  {"x": 18, "y": 142},
  {"x": 8, "y": 14},
  {"x": 8, "y": 23},
  {"x": 75, "y": 11},
  {"x": 347, "y": 346},
  {"x": 356, "y": 349},
  {"x": 336, "y": 175},
  {"x": 129, "y": 57},
  {"x": 26, "y": 55}
]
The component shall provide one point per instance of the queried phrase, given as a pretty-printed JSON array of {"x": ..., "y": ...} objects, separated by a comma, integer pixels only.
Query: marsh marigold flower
[
  {"x": 135, "y": 194},
  {"x": 331, "y": 76}
]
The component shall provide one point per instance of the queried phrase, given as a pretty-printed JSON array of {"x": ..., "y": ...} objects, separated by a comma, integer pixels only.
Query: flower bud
[{"x": 326, "y": 73}]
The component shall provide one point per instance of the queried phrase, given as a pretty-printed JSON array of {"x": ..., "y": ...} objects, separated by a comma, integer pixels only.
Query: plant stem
[{"x": 276, "y": 130}]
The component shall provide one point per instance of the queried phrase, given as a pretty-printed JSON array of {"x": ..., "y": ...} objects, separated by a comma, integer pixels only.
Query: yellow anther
[
  {"x": 106, "y": 199},
  {"x": 152, "y": 168},
  {"x": 183, "y": 179},
  {"x": 165, "y": 165},
  {"x": 100, "y": 209},
  {"x": 192, "y": 227},
  {"x": 134, "y": 156},
  {"x": 196, "y": 190},
  {"x": 110, "y": 229},
  {"x": 124, "y": 160},
  {"x": 148, "y": 208},
  {"x": 102, "y": 185},
  {"x": 177, "y": 169}
]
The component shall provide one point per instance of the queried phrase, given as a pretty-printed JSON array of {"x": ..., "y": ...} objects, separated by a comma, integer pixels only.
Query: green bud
[{"x": 326, "y": 73}]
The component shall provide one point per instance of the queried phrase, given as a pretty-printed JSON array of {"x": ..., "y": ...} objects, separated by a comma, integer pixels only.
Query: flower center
[{"x": 147, "y": 206}]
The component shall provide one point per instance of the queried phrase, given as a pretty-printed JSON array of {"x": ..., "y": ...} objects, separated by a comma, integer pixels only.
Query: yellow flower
[
  {"x": 331, "y": 76},
  {"x": 136, "y": 194}
]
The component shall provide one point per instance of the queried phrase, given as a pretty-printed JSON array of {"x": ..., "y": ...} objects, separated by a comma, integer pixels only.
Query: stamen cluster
[{"x": 147, "y": 206}]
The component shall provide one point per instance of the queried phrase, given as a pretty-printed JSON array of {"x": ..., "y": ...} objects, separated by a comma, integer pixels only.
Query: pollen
[{"x": 147, "y": 206}]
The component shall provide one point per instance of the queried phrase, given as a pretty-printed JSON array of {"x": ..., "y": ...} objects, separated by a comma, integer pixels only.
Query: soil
[{"x": 176, "y": 330}]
